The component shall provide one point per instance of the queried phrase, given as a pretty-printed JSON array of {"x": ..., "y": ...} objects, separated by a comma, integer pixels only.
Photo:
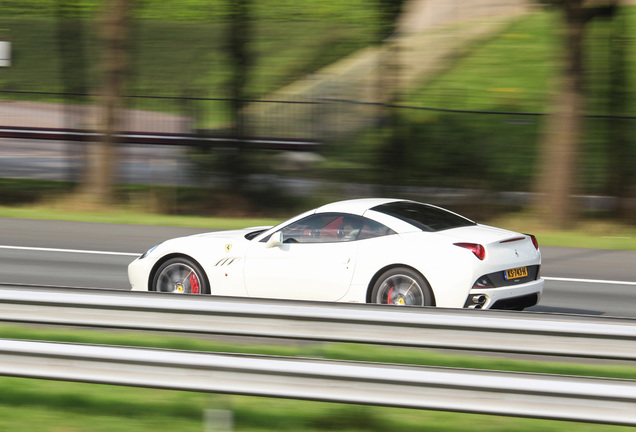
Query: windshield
[
  {"x": 253, "y": 234},
  {"x": 425, "y": 217}
]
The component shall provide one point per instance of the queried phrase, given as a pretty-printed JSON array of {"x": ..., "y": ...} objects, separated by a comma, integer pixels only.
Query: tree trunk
[
  {"x": 393, "y": 156},
  {"x": 621, "y": 157},
  {"x": 100, "y": 174},
  {"x": 73, "y": 71},
  {"x": 558, "y": 176},
  {"x": 240, "y": 64}
]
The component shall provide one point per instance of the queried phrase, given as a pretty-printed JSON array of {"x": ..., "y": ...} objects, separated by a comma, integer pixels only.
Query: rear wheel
[
  {"x": 401, "y": 286},
  {"x": 180, "y": 276}
]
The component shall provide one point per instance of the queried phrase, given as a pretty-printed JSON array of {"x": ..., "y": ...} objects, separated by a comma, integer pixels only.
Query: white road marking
[
  {"x": 611, "y": 282},
  {"x": 90, "y": 252}
]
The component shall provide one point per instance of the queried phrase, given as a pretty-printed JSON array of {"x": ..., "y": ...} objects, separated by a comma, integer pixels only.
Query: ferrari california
[{"x": 385, "y": 251}]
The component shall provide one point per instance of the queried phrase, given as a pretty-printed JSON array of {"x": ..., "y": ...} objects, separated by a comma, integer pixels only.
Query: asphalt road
[{"x": 80, "y": 254}]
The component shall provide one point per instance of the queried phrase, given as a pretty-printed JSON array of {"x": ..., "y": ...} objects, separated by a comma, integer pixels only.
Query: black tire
[
  {"x": 402, "y": 286},
  {"x": 180, "y": 275}
]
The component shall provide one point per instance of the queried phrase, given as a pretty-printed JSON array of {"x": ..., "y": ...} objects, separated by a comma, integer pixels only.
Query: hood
[{"x": 230, "y": 233}]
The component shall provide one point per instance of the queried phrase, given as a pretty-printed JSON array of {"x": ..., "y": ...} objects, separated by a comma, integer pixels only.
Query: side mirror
[{"x": 275, "y": 240}]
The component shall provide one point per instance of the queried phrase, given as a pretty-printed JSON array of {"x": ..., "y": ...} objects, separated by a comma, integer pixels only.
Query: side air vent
[{"x": 226, "y": 262}]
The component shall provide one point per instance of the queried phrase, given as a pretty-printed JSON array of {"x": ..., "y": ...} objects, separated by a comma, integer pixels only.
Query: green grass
[
  {"x": 179, "y": 53},
  {"x": 138, "y": 204},
  {"x": 147, "y": 205},
  {"x": 514, "y": 71},
  {"x": 281, "y": 11},
  {"x": 511, "y": 71},
  {"x": 586, "y": 233},
  {"x": 333, "y": 351},
  {"x": 125, "y": 216},
  {"x": 619, "y": 238},
  {"x": 181, "y": 58},
  {"x": 180, "y": 49},
  {"x": 28, "y": 404},
  {"x": 590, "y": 234},
  {"x": 69, "y": 407}
]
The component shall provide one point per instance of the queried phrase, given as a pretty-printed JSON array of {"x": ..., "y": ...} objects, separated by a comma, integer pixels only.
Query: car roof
[{"x": 354, "y": 206}]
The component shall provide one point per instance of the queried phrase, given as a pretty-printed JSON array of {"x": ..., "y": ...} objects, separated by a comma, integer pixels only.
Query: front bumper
[{"x": 138, "y": 273}]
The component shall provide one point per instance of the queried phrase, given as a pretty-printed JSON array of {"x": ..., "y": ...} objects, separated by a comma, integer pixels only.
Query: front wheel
[
  {"x": 180, "y": 276},
  {"x": 402, "y": 287}
]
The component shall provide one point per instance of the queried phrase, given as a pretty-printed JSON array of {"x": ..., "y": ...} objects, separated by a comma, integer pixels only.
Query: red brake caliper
[
  {"x": 389, "y": 297},
  {"x": 194, "y": 284}
]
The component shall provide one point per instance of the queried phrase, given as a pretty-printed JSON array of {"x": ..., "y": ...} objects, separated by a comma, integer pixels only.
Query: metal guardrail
[
  {"x": 598, "y": 400},
  {"x": 583, "y": 399},
  {"x": 473, "y": 330}
]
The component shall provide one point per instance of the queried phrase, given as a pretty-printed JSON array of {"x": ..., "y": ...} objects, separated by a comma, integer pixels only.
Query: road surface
[{"x": 81, "y": 254}]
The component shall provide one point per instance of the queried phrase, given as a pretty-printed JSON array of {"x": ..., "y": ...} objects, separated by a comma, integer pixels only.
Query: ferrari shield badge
[{"x": 228, "y": 247}]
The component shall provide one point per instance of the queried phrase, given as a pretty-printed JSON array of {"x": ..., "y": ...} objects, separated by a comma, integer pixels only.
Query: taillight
[
  {"x": 477, "y": 249},
  {"x": 534, "y": 241}
]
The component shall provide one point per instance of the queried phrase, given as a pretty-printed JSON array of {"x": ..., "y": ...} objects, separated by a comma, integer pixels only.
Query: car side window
[
  {"x": 372, "y": 229},
  {"x": 324, "y": 228}
]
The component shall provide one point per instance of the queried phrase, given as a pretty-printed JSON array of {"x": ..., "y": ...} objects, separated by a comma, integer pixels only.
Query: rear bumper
[
  {"x": 517, "y": 303},
  {"x": 511, "y": 297}
]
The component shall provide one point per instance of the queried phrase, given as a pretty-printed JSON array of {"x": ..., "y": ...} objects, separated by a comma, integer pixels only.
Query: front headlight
[{"x": 148, "y": 252}]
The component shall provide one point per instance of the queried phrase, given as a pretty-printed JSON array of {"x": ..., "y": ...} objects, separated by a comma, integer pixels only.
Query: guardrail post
[{"x": 218, "y": 420}]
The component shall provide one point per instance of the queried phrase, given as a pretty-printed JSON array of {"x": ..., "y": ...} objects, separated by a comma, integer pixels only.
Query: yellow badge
[{"x": 228, "y": 247}]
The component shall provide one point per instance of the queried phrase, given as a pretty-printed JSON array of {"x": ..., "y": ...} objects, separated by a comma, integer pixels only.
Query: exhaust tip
[
  {"x": 479, "y": 299},
  {"x": 476, "y": 301}
]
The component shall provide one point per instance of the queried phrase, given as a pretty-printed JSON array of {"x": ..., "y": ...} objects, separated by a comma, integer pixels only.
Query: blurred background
[
  {"x": 243, "y": 107},
  {"x": 267, "y": 108}
]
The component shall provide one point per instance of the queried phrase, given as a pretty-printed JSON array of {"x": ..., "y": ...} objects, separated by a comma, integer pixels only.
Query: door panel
[{"x": 304, "y": 271}]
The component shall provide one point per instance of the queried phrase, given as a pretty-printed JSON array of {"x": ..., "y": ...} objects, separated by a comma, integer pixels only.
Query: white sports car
[{"x": 372, "y": 250}]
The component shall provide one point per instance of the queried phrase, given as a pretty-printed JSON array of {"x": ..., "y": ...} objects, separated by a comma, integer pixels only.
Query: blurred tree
[
  {"x": 114, "y": 27},
  {"x": 389, "y": 12},
  {"x": 620, "y": 145},
  {"x": 389, "y": 67},
  {"x": 70, "y": 39},
  {"x": 73, "y": 68},
  {"x": 557, "y": 179},
  {"x": 393, "y": 158},
  {"x": 240, "y": 62}
]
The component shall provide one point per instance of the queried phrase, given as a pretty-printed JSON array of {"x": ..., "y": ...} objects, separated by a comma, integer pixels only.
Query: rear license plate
[{"x": 516, "y": 273}]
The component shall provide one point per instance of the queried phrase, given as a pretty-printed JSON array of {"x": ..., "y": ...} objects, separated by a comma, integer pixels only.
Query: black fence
[
  {"x": 425, "y": 146},
  {"x": 160, "y": 119},
  {"x": 313, "y": 120}
]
